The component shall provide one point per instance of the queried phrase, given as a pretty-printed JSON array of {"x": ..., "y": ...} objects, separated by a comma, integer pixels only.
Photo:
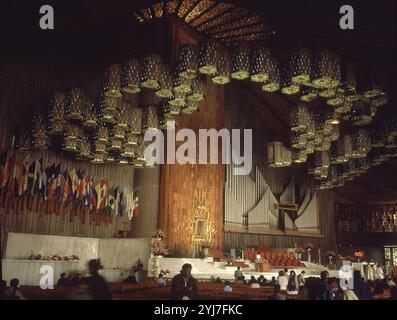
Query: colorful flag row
[{"x": 67, "y": 186}]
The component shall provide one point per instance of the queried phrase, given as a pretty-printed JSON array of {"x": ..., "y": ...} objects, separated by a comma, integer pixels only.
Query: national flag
[
  {"x": 93, "y": 196},
  {"x": 41, "y": 177},
  {"x": 111, "y": 205},
  {"x": 30, "y": 180},
  {"x": 66, "y": 186},
  {"x": 22, "y": 167},
  {"x": 56, "y": 185},
  {"x": 8, "y": 167},
  {"x": 72, "y": 181},
  {"x": 120, "y": 201},
  {"x": 80, "y": 186},
  {"x": 135, "y": 210}
]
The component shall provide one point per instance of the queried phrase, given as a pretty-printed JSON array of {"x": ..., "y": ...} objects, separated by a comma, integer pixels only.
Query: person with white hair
[{"x": 379, "y": 272}]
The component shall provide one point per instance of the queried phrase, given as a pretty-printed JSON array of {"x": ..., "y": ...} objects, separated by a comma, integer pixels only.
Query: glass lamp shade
[
  {"x": 332, "y": 118},
  {"x": 75, "y": 105},
  {"x": 274, "y": 76},
  {"x": 240, "y": 63},
  {"x": 56, "y": 114},
  {"x": 344, "y": 149},
  {"x": 167, "y": 122},
  {"x": 275, "y": 154},
  {"x": 299, "y": 118},
  {"x": 130, "y": 77},
  {"x": 377, "y": 138},
  {"x": 321, "y": 173},
  {"x": 112, "y": 85},
  {"x": 310, "y": 147},
  {"x": 321, "y": 159},
  {"x": 100, "y": 147},
  {"x": 109, "y": 109},
  {"x": 380, "y": 100},
  {"x": 40, "y": 139},
  {"x": 310, "y": 131},
  {"x": 362, "y": 164},
  {"x": 297, "y": 141},
  {"x": 131, "y": 139},
  {"x": 298, "y": 156},
  {"x": 335, "y": 132},
  {"x": 209, "y": 56},
  {"x": 150, "y": 118},
  {"x": 299, "y": 66},
  {"x": 170, "y": 110},
  {"x": 190, "y": 107},
  {"x": 166, "y": 83},
  {"x": 178, "y": 100},
  {"x": 72, "y": 138},
  {"x": 182, "y": 85},
  {"x": 308, "y": 94},
  {"x": 124, "y": 116},
  {"x": 117, "y": 133},
  {"x": 129, "y": 151},
  {"x": 150, "y": 72},
  {"x": 326, "y": 70},
  {"x": 136, "y": 120},
  {"x": 361, "y": 113},
  {"x": 90, "y": 115},
  {"x": 325, "y": 144},
  {"x": 84, "y": 149},
  {"x": 198, "y": 90},
  {"x": 361, "y": 144},
  {"x": 102, "y": 134},
  {"x": 25, "y": 140},
  {"x": 288, "y": 87},
  {"x": 223, "y": 74},
  {"x": 338, "y": 98},
  {"x": 187, "y": 61},
  {"x": 319, "y": 120},
  {"x": 333, "y": 153},
  {"x": 260, "y": 65},
  {"x": 99, "y": 157},
  {"x": 116, "y": 145}
]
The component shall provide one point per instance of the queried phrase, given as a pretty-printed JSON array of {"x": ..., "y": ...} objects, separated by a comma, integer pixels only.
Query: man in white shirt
[
  {"x": 282, "y": 281},
  {"x": 379, "y": 273}
]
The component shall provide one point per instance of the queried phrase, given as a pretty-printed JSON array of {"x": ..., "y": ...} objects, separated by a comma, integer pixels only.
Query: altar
[{"x": 263, "y": 266}]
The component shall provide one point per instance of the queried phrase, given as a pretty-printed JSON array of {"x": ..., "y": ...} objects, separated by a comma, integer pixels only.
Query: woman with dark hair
[{"x": 293, "y": 284}]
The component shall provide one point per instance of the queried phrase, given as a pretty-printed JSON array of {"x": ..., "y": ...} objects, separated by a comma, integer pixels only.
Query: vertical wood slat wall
[
  {"x": 25, "y": 87},
  {"x": 181, "y": 185}
]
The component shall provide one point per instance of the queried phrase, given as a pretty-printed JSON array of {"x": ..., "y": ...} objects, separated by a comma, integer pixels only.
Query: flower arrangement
[
  {"x": 205, "y": 244},
  {"x": 157, "y": 245},
  {"x": 54, "y": 257},
  {"x": 162, "y": 271},
  {"x": 331, "y": 253},
  {"x": 300, "y": 250},
  {"x": 309, "y": 246}
]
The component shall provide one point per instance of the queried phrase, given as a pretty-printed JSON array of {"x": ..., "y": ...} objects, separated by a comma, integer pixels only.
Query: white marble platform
[{"x": 206, "y": 268}]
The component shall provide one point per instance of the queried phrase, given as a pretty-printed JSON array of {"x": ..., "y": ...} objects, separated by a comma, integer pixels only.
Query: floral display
[
  {"x": 158, "y": 246},
  {"x": 54, "y": 257}
]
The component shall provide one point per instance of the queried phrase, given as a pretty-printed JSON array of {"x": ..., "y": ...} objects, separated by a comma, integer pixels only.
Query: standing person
[
  {"x": 379, "y": 273},
  {"x": 99, "y": 289},
  {"x": 282, "y": 281},
  {"x": 238, "y": 273},
  {"x": 184, "y": 286},
  {"x": 301, "y": 280},
  {"x": 293, "y": 285},
  {"x": 324, "y": 291},
  {"x": 160, "y": 282},
  {"x": 227, "y": 287}
]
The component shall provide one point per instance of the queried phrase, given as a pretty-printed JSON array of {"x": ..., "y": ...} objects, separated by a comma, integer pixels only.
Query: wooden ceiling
[{"x": 88, "y": 30}]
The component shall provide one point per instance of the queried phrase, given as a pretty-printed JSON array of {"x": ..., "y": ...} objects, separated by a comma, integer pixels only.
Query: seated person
[
  {"x": 218, "y": 280},
  {"x": 12, "y": 292},
  {"x": 240, "y": 280},
  {"x": 184, "y": 286},
  {"x": 75, "y": 280},
  {"x": 277, "y": 294},
  {"x": 160, "y": 280},
  {"x": 227, "y": 287},
  {"x": 273, "y": 282},
  {"x": 252, "y": 280},
  {"x": 63, "y": 281}
]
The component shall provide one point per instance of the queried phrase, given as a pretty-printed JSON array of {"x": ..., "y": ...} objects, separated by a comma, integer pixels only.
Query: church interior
[{"x": 293, "y": 188}]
